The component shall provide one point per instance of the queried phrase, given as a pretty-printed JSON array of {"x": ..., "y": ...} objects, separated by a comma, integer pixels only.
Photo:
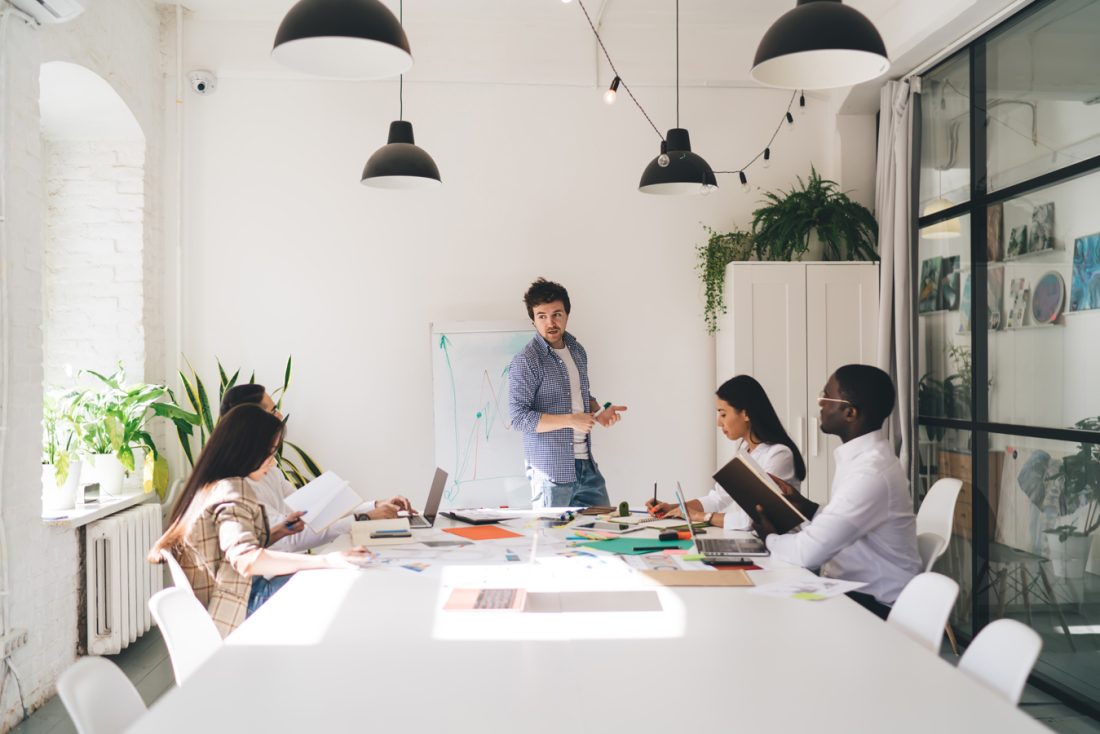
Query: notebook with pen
[{"x": 749, "y": 486}]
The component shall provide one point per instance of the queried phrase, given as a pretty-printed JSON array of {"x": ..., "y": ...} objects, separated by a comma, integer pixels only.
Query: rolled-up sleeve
[
  {"x": 521, "y": 396},
  {"x": 238, "y": 535}
]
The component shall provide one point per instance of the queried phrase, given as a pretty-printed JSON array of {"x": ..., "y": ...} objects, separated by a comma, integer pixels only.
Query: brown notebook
[{"x": 749, "y": 486}]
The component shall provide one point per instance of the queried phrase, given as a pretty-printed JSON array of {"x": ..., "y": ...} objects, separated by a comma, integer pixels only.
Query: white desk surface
[{"x": 366, "y": 650}]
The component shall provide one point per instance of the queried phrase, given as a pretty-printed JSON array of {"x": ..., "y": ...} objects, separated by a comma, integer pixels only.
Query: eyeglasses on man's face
[{"x": 823, "y": 398}]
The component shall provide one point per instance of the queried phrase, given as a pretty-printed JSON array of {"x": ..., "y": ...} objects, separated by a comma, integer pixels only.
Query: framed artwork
[
  {"x": 1049, "y": 298},
  {"x": 1017, "y": 241},
  {"x": 994, "y": 232},
  {"x": 1018, "y": 296},
  {"x": 928, "y": 290},
  {"x": 1041, "y": 235},
  {"x": 995, "y": 294},
  {"x": 949, "y": 283},
  {"x": 1085, "y": 283}
]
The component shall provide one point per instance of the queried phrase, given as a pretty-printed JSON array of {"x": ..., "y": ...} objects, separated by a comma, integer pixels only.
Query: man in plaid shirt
[{"x": 550, "y": 404}]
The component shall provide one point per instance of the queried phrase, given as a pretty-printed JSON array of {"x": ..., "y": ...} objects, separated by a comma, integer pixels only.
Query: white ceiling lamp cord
[
  {"x": 173, "y": 363},
  {"x": 619, "y": 81}
]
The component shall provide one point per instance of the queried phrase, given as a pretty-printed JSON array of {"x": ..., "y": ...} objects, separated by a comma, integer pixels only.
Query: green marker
[
  {"x": 607, "y": 405},
  {"x": 692, "y": 557}
]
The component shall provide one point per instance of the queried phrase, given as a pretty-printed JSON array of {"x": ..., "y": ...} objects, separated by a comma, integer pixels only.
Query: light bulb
[
  {"x": 565, "y": 2},
  {"x": 707, "y": 189},
  {"x": 767, "y": 157},
  {"x": 744, "y": 181},
  {"x": 609, "y": 95},
  {"x": 790, "y": 118},
  {"x": 801, "y": 103},
  {"x": 662, "y": 160}
]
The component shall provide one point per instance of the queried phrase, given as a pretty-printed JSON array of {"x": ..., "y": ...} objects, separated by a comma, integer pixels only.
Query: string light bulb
[
  {"x": 801, "y": 103},
  {"x": 790, "y": 118},
  {"x": 609, "y": 95},
  {"x": 744, "y": 181},
  {"x": 663, "y": 159},
  {"x": 767, "y": 158}
]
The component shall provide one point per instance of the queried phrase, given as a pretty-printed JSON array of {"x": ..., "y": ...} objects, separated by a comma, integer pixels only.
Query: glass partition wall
[{"x": 1007, "y": 330}]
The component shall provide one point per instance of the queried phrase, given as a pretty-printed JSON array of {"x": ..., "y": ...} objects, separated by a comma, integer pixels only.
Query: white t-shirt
[
  {"x": 867, "y": 532},
  {"x": 580, "y": 440},
  {"x": 774, "y": 458},
  {"x": 272, "y": 491}
]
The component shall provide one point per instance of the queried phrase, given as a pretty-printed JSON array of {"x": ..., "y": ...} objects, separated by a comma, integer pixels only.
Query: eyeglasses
[{"x": 821, "y": 398}]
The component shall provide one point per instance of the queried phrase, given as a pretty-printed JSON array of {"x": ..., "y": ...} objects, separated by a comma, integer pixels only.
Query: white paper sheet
[{"x": 324, "y": 501}]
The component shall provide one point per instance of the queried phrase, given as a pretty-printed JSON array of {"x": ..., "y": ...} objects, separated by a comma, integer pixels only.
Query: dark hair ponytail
[{"x": 745, "y": 393}]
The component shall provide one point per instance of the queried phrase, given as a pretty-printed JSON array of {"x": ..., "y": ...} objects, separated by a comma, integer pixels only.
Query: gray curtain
[{"x": 899, "y": 121}]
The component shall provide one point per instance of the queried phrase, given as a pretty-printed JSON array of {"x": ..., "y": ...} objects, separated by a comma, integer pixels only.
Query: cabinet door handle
[
  {"x": 813, "y": 427},
  {"x": 798, "y": 441}
]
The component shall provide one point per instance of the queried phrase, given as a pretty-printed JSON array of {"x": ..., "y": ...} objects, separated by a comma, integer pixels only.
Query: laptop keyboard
[
  {"x": 495, "y": 599},
  {"x": 418, "y": 521},
  {"x": 730, "y": 546}
]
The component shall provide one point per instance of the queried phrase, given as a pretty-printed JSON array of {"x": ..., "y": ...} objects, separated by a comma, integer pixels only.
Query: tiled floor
[{"x": 146, "y": 663}]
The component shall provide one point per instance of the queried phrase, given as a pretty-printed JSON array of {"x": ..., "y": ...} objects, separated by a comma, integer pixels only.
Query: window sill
[{"x": 94, "y": 510}]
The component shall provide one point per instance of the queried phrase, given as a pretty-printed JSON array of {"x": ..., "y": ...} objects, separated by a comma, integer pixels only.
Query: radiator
[{"x": 119, "y": 579}]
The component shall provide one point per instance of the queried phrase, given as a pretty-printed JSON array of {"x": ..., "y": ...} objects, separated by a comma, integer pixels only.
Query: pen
[
  {"x": 652, "y": 547},
  {"x": 655, "y": 493}
]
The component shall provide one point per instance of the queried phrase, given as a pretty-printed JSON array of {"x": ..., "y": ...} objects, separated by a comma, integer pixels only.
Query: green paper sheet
[{"x": 629, "y": 546}]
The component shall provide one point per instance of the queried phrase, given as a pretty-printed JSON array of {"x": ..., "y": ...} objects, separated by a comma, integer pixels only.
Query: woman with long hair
[
  {"x": 746, "y": 415},
  {"x": 218, "y": 530}
]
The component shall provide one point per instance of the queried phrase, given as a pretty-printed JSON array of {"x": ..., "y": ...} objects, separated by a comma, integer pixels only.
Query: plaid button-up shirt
[
  {"x": 226, "y": 523},
  {"x": 538, "y": 383}
]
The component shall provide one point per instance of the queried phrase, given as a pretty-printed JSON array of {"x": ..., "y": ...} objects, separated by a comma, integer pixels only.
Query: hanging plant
[
  {"x": 782, "y": 228},
  {"x": 720, "y": 250}
]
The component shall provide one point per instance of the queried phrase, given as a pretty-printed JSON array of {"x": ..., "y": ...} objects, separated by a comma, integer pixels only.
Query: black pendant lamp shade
[
  {"x": 399, "y": 164},
  {"x": 682, "y": 172},
  {"x": 820, "y": 44},
  {"x": 349, "y": 39}
]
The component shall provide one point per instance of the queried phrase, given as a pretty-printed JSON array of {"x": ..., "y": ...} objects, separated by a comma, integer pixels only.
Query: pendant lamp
[
  {"x": 400, "y": 164},
  {"x": 348, "y": 39},
  {"x": 676, "y": 170},
  {"x": 945, "y": 230},
  {"x": 820, "y": 44}
]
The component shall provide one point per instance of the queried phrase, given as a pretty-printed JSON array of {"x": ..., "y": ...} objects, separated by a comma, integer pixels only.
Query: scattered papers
[
  {"x": 324, "y": 501},
  {"x": 635, "y": 546},
  {"x": 482, "y": 532},
  {"x": 361, "y": 530},
  {"x": 813, "y": 589}
]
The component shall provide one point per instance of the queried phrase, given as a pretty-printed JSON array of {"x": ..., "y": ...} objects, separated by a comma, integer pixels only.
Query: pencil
[{"x": 655, "y": 493}]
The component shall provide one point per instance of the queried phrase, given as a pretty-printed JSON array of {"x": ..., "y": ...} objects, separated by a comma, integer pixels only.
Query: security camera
[{"x": 203, "y": 82}]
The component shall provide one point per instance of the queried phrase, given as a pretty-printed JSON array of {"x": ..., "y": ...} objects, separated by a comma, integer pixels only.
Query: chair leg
[
  {"x": 951, "y": 639},
  {"x": 1057, "y": 607}
]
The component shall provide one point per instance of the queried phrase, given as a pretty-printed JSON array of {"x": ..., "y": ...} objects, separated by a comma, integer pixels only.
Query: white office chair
[
  {"x": 1002, "y": 656},
  {"x": 99, "y": 697},
  {"x": 922, "y": 608},
  {"x": 189, "y": 632},
  {"x": 179, "y": 578},
  {"x": 935, "y": 518}
]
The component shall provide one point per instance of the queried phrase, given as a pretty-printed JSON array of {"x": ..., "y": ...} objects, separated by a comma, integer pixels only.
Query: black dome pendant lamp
[
  {"x": 400, "y": 164},
  {"x": 347, "y": 39},
  {"x": 677, "y": 171},
  {"x": 820, "y": 44}
]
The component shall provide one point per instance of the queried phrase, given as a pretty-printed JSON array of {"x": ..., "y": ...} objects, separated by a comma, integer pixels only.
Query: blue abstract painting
[{"x": 1085, "y": 288}]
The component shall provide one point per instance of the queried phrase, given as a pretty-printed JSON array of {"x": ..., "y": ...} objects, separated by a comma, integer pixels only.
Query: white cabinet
[{"x": 790, "y": 325}]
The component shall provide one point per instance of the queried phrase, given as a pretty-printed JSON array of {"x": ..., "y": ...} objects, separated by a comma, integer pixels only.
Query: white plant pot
[
  {"x": 1068, "y": 559},
  {"x": 56, "y": 498},
  {"x": 135, "y": 478},
  {"x": 110, "y": 472}
]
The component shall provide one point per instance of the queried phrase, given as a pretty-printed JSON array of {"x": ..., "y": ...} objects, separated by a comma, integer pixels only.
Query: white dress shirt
[
  {"x": 774, "y": 458},
  {"x": 867, "y": 532},
  {"x": 272, "y": 490}
]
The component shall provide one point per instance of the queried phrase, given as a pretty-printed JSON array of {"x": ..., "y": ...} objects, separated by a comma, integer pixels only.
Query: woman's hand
[
  {"x": 661, "y": 509},
  {"x": 351, "y": 558},
  {"x": 401, "y": 503},
  {"x": 383, "y": 511},
  {"x": 292, "y": 524}
]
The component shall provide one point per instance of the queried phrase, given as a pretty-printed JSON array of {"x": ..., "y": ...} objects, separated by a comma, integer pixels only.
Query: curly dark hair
[{"x": 545, "y": 291}]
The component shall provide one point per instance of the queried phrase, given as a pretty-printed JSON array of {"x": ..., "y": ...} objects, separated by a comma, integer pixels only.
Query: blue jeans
[
  {"x": 589, "y": 489},
  {"x": 263, "y": 589}
]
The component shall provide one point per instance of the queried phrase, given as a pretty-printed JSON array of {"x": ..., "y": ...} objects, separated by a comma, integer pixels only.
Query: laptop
[
  {"x": 721, "y": 548},
  {"x": 431, "y": 507},
  {"x": 476, "y": 516}
]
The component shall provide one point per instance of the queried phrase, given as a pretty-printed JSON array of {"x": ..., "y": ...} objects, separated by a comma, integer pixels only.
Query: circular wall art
[{"x": 1048, "y": 298}]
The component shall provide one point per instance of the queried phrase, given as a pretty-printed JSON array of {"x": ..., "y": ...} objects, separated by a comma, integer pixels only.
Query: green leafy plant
[
  {"x": 1080, "y": 473},
  {"x": 59, "y": 435},
  {"x": 298, "y": 471},
  {"x": 782, "y": 228},
  {"x": 720, "y": 250},
  {"x": 111, "y": 418}
]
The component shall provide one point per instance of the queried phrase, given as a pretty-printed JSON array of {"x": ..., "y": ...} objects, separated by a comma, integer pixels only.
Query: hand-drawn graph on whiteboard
[{"x": 474, "y": 441}]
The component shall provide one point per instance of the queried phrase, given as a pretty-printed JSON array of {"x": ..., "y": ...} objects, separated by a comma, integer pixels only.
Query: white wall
[
  {"x": 286, "y": 253},
  {"x": 118, "y": 41}
]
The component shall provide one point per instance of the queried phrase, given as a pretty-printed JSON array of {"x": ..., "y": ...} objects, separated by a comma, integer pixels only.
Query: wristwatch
[{"x": 707, "y": 517}]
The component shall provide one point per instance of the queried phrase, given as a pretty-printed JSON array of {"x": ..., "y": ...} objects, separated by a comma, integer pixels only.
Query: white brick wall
[
  {"x": 94, "y": 306},
  {"x": 120, "y": 41}
]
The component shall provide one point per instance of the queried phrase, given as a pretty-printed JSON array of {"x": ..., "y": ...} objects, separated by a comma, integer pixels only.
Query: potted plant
[
  {"x": 721, "y": 249},
  {"x": 782, "y": 228},
  {"x": 112, "y": 423},
  {"x": 60, "y": 460},
  {"x": 1080, "y": 499}
]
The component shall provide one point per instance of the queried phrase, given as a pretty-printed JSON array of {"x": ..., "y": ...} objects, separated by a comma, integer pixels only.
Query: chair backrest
[
  {"x": 922, "y": 608},
  {"x": 1002, "y": 656},
  {"x": 179, "y": 578},
  {"x": 99, "y": 697},
  {"x": 935, "y": 518},
  {"x": 189, "y": 632}
]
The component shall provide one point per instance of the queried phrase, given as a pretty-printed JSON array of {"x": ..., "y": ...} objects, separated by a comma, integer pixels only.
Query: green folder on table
[{"x": 636, "y": 546}]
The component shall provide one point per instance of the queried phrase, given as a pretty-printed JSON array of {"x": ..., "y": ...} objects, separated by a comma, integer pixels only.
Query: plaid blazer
[{"x": 225, "y": 526}]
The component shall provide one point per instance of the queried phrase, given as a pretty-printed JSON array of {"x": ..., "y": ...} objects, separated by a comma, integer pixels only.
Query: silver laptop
[
  {"x": 721, "y": 547},
  {"x": 431, "y": 507}
]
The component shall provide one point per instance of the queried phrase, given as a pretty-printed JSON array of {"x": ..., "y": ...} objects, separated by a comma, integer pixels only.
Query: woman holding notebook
[
  {"x": 745, "y": 415},
  {"x": 218, "y": 529}
]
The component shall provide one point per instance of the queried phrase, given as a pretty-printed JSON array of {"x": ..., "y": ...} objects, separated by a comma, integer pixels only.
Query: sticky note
[{"x": 808, "y": 596}]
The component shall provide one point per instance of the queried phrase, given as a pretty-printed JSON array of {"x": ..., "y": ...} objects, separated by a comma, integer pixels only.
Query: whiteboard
[{"x": 474, "y": 440}]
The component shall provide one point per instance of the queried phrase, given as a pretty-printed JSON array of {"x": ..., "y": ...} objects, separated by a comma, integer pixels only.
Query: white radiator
[{"x": 120, "y": 580}]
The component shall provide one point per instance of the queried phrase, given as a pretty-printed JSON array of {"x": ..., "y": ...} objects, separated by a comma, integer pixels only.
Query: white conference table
[{"x": 372, "y": 649}]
